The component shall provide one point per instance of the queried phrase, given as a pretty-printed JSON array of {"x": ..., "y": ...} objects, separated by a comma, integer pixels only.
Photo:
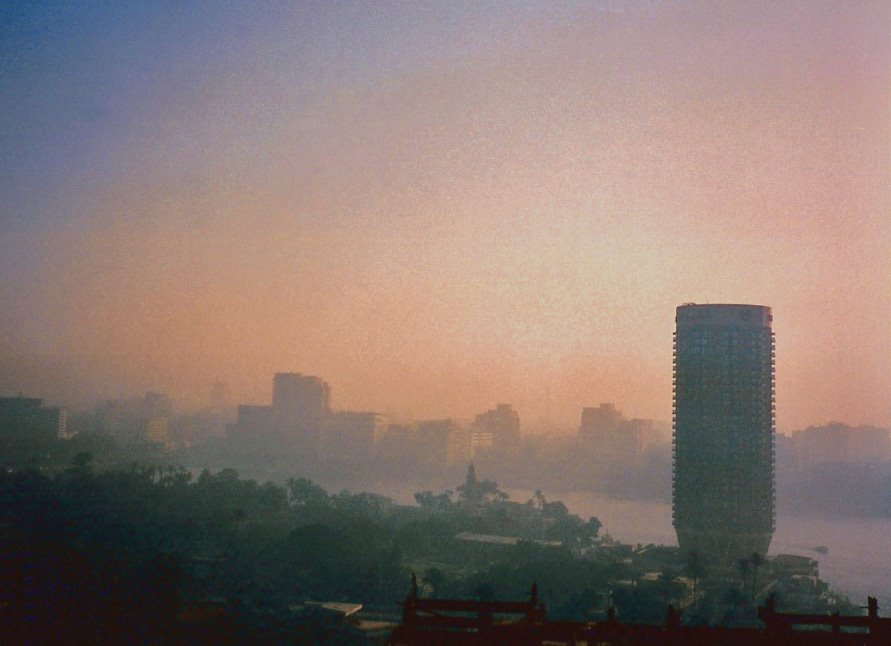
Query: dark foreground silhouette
[{"x": 465, "y": 621}]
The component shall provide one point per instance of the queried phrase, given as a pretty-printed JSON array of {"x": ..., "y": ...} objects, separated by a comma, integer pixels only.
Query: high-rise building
[
  {"x": 299, "y": 404},
  {"x": 252, "y": 423},
  {"x": 599, "y": 422},
  {"x": 351, "y": 436},
  {"x": 398, "y": 446},
  {"x": 300, "y": 396},
  {"x": 723, "y": 490},
  {"x": 497, "y": 429},
  {"x": 441, "y": 442}
]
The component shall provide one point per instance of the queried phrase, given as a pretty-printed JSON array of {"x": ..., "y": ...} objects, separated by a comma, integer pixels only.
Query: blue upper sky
[{"x": 77, "y": 79}]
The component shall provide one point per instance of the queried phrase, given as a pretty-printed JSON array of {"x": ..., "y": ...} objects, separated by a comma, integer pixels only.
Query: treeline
[
  {"x": 95, "y": 557},
  {"x": 129, "y": 554},
  {"x": 50, "y": 454}
]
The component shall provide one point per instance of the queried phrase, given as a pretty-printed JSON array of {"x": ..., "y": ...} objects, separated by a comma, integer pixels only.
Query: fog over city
[
  {"x": 329, "y": 303},
  {"x": 444, "y": 205}
]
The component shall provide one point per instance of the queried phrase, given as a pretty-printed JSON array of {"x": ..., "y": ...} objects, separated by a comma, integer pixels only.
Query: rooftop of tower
[{"x": 691, "y": 314}]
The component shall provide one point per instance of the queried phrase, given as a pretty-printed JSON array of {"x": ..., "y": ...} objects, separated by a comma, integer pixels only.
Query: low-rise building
[{"x": 27, "y": 418}]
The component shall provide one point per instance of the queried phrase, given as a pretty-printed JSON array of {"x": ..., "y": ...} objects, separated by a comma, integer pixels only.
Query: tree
[
  {"x": 556, "y": 510},
  {"x": 364, "y": 504},
  {"x": 81, "y": 463},
  {"x": 695, "y": 567},
  {"x": 434, "y": 578},
  {"x": 490, "y": 492},
  {"x": 593, "y": 525},
  {"x": 175, "y": 477},
  {"x": 305, "y": 493},
  {"x": 475, "y": 492},
  {"x": 429, "y": 500}
]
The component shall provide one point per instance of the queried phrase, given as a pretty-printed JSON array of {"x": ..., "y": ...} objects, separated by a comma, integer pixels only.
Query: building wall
[
  {"x": 398, "y": 444},
  {"x": 441, "y": 442},
  {"x": 349, "y": 436},
  {"x": 252, "y": 422},
  {"x": 301, "y": 397},
  {"x": 605, "y": 434},
  {"x": 157, "y": 429},
  {"x": 300, "y": 403},
  {"x": 599, "y": 422},
  {"x": 836, "y": 442},
  {"x": 502, "y": 424},
  {"x": 26, "y": 417},
  {"x": 723, "y": 485},
  {"x": 127, "y": 419},
  {"x": 481, "y": 442}
]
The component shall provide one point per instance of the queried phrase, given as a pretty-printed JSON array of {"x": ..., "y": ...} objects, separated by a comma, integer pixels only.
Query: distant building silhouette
[
  {"x": 495, "y": 430},
  {"x": 606, "y": 433},
  {"x": 293, "y": 423},
  {"x": 158, "y": 410},
  {"x": 837, "y": 442},
  {"x": 599, "y": 422},
  {"x": 137, "y": 419},
  {"x": 252, "y": 422},
  {"x": 219, "y": 397},
  {"x": 299, "y": 404},
  {"x": 398, "y": 446},
  {"x": 441, "y": 442},
  {"x": 27, "y": 418},
  {"x": 350, "y": 436},
  {"x": 298, "y": 395},
  {"x": 723, "y": 493}
]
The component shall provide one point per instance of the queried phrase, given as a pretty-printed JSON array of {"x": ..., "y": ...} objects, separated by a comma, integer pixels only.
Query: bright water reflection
[{"x": 858, "y": 562}]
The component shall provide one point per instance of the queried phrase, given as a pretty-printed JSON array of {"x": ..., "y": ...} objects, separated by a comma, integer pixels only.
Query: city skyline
[{"x": 441, "y": 208}]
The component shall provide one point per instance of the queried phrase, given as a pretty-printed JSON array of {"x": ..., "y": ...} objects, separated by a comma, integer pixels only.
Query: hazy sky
[{"x": 439, "y": 206}]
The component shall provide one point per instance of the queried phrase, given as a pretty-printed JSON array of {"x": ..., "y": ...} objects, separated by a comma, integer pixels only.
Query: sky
[{"x": 438, "y": 207}]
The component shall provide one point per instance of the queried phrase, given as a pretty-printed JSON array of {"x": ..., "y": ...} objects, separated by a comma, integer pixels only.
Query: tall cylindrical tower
[{"x": 723, "y": 486}]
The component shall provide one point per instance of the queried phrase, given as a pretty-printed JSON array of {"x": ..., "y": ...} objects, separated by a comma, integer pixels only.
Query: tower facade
[
  {"x": 299, "y": 405},
  {"x": 497, "y": 429},
  {"x": 723, "y": 485},
  {"x": 301, "y": 397}
]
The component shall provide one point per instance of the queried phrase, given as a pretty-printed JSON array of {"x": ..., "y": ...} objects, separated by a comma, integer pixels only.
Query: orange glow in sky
[{"x": 510, "y": 214}]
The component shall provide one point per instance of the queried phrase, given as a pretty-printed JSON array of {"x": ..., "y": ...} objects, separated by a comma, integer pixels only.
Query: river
[
  {"x": 858, "y": 561},
  {"x": 857, "y": 564}
]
